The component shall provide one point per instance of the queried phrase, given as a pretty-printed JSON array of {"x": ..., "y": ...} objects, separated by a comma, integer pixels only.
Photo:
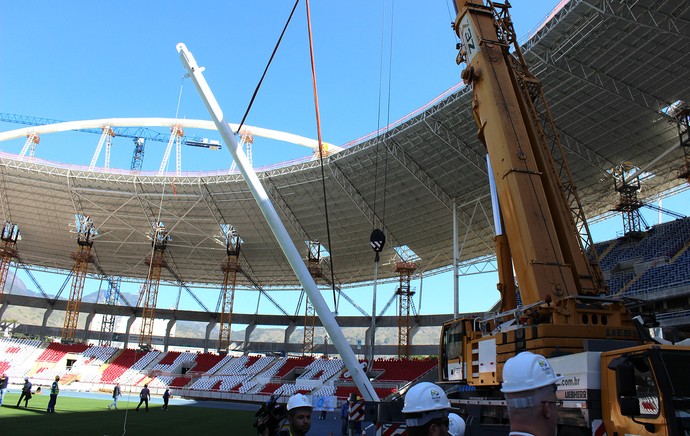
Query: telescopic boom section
[{"x": 541, "y": 221}]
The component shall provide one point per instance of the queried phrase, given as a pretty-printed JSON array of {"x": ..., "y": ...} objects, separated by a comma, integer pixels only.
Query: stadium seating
[
  {"x": 322, "y": 369},
  {"x": 292, "y": 363},
  {"x": 56, "y": 351},
  {"x": 206, "y": 361},
  {"x": 270, "y": 388},
  {"x": 18, "y": 355},
  {"x": 124, "y": 362},
  {"x": 653, "y": 261}
]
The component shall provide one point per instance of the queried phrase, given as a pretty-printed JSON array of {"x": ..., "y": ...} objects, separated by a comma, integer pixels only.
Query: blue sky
[{"x": 80, "y": 60}]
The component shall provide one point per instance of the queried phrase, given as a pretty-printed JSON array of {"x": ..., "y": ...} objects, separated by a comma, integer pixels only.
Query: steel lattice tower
[
  {"x": 112, "y": 295},
  {"x": 85, "y": 234},
  {"x": 149, "y": 290},
  {"x": 10, "y": 235},
  {"x": 405, "y": 269},
  {"x": 314, "y": 267},
  {"x": 230, "y": 269}
]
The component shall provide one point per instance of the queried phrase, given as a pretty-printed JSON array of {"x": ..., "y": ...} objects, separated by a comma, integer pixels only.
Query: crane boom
[{"x": 551, "y": 261}]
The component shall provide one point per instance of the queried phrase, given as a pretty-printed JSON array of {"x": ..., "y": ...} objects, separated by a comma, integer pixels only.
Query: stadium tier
[
  {"x": 650, "y": 265},
  {"x": 195, "y": 374}
]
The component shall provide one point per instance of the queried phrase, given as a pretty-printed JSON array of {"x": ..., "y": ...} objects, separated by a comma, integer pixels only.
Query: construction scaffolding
[
  {"x": 10, "y": 236},
  {"x": 682, "y": 114},
  {"x": 314, "y": 267},
  {"x": 82, "y": 257},
  {"x": 149, "y": 290},
  {"x": 112, "y": 296},
  {"x": 246, "y": 141},
  {"x": 405, "y": 293},
  {"x": 628, "y": 204},
  {"x": 230, "y": 268}
]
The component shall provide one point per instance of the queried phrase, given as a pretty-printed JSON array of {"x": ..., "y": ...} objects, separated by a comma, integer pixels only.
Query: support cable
[
  {"x": 378, "y": 238},
  {"x": 318, "y": 132},
  {"x": 388, "y": 119},
  {"x": 256, "y": 91}
]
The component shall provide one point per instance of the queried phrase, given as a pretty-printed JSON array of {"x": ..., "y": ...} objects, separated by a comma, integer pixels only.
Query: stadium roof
[{"x": 607, "y": 69}]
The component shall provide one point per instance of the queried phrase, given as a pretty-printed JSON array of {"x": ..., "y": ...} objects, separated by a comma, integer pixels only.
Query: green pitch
[{"x": 79, "y": 416}]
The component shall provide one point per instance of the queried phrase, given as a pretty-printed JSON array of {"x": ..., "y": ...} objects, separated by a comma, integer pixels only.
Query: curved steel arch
[{"x": 163, "y": 122}]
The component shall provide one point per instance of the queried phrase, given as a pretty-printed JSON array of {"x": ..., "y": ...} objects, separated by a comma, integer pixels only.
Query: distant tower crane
[
  {"x": 404, "y": 292},
  {"x": 9, "y": 238},
  {"x": 149, "y": 290},
  {"x": 85, "y": 234},
  {"x": 230, "y": 268},
  {"x": 138, "y": 155},
  {"x": 314, "y": 267}
]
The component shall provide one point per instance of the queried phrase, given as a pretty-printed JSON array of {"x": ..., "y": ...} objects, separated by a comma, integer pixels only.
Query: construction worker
[
  {"x": 299, "y": 416},
  {"x": 426, "y": 410},
  {"x": 456, "y": 425},
  {"x": 297, "y": 422},
  {"x": 54, "y": 391},
  {"x": 26, "y": 393},
  {"x": 529, "y": 385}
]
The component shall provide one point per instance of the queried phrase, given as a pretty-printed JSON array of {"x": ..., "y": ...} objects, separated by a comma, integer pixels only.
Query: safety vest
[{"x": 54, "y": 389}]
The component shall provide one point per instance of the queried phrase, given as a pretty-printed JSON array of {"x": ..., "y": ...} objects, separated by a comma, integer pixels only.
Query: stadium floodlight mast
[{"x": 279, "y": 231}]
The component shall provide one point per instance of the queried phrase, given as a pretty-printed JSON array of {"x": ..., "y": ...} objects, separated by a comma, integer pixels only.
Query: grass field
[{"x": 78, "y": 416}]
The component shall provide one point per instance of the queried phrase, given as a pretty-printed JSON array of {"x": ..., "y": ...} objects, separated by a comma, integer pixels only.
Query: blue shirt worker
[
  {"x": 54, "y": 391},
  {"x": 4, "y": 380},
  {"x": 116, "y": 395}
]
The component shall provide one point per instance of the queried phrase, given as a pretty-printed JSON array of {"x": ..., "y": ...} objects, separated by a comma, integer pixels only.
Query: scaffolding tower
[
  {"x": 230, "y": 268},
  {"x": 314, "y": 267},
  {"x": 628, "y": 204},
  {"x": 149, "y": 289},
  {"x": 246, "y": 141},
  {"x": 405, "y": 293},
  {"x": 112, "y": 296},
  {"x": 683, "y": 117},
  {"x": 10, "y": 236},
  {"x": 85, "y": 234}
]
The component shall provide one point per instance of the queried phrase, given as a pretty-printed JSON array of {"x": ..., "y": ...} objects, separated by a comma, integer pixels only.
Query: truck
[{"x": 617, "y": 378}]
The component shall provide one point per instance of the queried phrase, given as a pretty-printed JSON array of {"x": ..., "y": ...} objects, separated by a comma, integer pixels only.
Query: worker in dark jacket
[
  {"x": 26, "y": 393},
  {"x": 54, "y": 391},
  {"x": 144, "y": 397},
  {"x": 166, "y": 398}
]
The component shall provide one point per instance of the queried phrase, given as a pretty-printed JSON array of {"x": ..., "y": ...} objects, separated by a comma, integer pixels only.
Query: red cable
[
  {"x": 313, "y": 80},
  {"x": 318, "y": 131}
]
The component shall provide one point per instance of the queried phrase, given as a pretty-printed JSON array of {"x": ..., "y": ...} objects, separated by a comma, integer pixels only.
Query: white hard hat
[
  {"x": 456, "y": 425},
  {"x": 527, "y": 371},
  {"x": 298, "y": 400},
  {"x": 424, "y": 397}
]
